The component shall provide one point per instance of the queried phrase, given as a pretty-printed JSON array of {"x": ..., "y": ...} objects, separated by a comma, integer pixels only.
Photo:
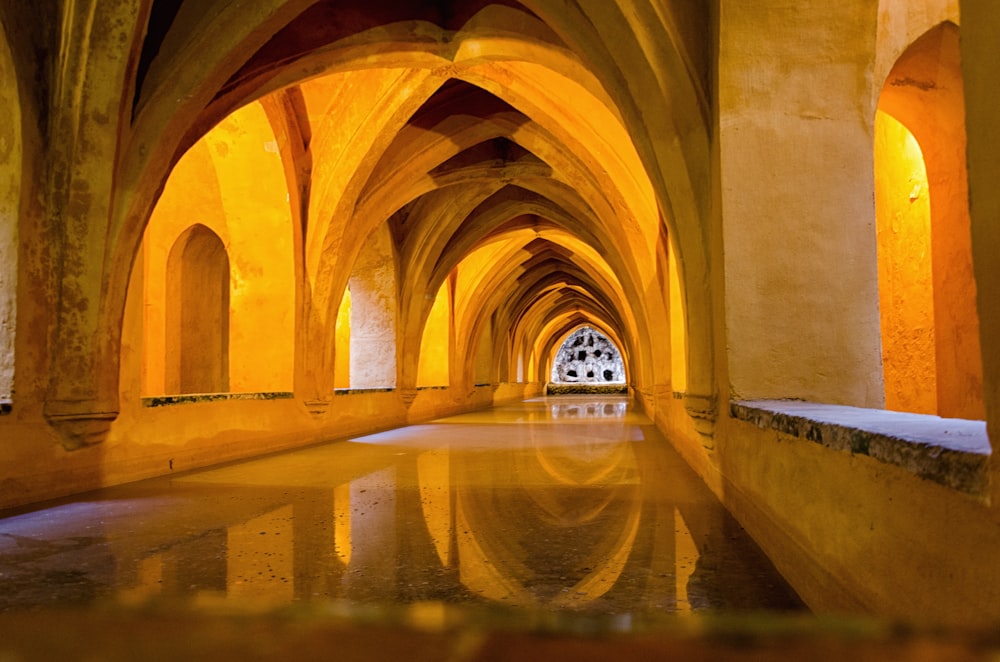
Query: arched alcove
[
  {"x": 10, "y": 176},
  {"x": 231, "y": 181},
  {"x": 197, "y": 314},
  {"x": 588, "y": 357},
  {"x": 927, "y": 294}
]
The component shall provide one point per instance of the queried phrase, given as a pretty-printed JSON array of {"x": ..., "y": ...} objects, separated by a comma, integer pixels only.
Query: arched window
[
  {"x": 930, "y": 328},
  {"x": 588, "y": 357},
  {"x": 197, "y": 315}
]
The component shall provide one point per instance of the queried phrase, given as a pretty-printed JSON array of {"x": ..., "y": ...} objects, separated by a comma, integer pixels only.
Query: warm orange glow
[
  {"x": 342, "y": 522},
  {"x": 259, "y": 551},
  {"x": 678, "y": 330},
  {"x": 931, "y": 348},
  {"x": 197, "y": 313},
  {"x": 906, "y": 285},
  {"x": 434, "y": 472},
  {"x": 342, "y": 359},
  {"x": 435, "y": 345},
  {"x": 231, "y": 182}
]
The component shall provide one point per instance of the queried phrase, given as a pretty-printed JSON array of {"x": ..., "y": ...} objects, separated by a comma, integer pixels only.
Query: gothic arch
[{"x": 627, "y": 46}]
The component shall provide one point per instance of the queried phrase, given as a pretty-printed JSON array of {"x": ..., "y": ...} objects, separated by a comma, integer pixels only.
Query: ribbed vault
[{"x": 499, "y": 141}]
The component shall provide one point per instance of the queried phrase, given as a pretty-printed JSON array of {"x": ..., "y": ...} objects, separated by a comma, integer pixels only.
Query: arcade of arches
[{"x": 226, "y": 232}]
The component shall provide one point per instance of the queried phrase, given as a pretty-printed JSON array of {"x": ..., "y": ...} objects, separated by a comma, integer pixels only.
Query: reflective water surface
[{"x": 567, "y": 503}]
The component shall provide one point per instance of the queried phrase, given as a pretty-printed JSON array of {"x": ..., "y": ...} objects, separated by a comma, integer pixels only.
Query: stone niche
[{"x": 588, "y": 357}]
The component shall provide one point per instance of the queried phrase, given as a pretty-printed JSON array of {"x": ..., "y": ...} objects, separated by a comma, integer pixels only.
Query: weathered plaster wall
[
  {"x": 900, "y": 23},
  {"x": 850, "y": 533},
  {"x": 854, "y": 535},
  {"x": 10, "y": 204},
  {"x": 374, "y": 306},
  {"x": 799, "y": 233},
  {"x": 258, "y": 219}
]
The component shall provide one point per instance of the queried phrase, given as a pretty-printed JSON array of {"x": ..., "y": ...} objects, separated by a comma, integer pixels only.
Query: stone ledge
[
  {"x": 191, "y": 398},
  {"x": 949, "y": 451},
  {"x": 363, "y": 391}
]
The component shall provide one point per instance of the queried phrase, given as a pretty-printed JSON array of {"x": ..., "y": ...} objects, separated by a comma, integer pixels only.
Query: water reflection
[
  {"x": 589, "y": 409},
  {"x": 568, "y": 511}
]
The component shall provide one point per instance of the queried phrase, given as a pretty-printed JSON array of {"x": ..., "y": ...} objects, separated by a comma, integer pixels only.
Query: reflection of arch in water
[
  {"x": 588, "y": 357},
  {"x": 527, "y": 564},
  {"x": 602, "y": 409}
]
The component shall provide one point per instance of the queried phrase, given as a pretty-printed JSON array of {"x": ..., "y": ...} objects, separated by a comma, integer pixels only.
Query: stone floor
[{"x": 561, "y": 528}]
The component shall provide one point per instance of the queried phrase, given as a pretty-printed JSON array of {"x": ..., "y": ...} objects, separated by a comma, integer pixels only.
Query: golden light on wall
[
  {"x": 434, "y": 347},
  {"x": 906, "y": 284},
  {"x": 342, "y": 358},
  {"x": 932, "y": 361},
  {"x": 231, "y": 182},
  {"x": 678, "y": 328}
]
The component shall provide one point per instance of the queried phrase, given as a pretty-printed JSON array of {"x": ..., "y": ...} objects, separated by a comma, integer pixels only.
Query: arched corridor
[{"x": 229, "y": 232}]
